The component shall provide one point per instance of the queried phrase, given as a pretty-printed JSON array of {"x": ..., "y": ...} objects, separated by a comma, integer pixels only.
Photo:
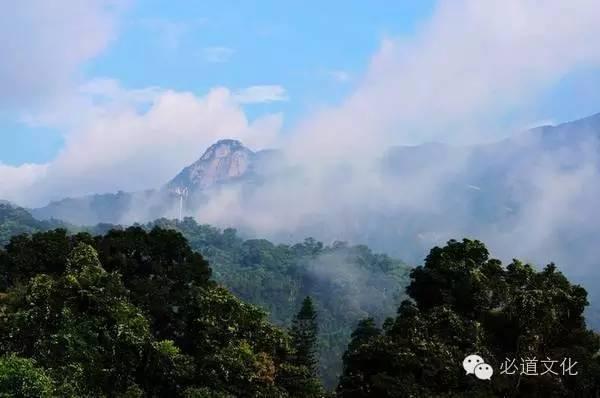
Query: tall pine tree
[{"x": 304, "y": 336}]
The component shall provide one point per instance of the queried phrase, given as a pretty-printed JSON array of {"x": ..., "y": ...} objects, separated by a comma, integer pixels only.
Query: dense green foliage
[
  {"x": 20, "y": 378},
  {"x": 466, "y": 303},
  {"x": 133, "y": 314},
  {"x": 15, "y": 221},
  {"x": 304, "y": 336},
  {"x": 346, "y": 283}
]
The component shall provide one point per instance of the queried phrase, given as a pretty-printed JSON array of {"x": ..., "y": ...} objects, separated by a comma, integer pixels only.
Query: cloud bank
[
  {"x": 44, "y": 43},
  {"x": 258, "y": 94},
  {"x": 470, "y": 64},
  {"x": 134, "y": 140}
]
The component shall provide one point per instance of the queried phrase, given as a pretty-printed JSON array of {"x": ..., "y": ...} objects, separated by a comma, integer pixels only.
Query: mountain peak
[
  {"x": 223, "y": 161},
  {"x": 223, "y": 148},
  {"x": 227, "y": 142}
]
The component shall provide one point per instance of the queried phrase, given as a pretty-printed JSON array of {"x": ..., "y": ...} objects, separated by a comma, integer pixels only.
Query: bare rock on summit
[{"x": 224, "y": 161}]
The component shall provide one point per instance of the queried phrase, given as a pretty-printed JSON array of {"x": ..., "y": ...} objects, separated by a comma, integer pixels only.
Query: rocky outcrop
[{"x": 224, "y": 161}]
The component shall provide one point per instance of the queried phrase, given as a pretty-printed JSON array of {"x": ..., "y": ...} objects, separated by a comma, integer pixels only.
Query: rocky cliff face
[{"x": 226, "y": 160}]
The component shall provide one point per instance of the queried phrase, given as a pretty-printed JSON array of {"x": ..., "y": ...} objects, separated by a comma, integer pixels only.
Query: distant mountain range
[
  {"x": 226, "y": 162},
  {"x": 275, "y": 277},
  {"x": 15, "y": 220},
  {"x": 426, "y": 194},
  {"x": 230, "y": 162}
]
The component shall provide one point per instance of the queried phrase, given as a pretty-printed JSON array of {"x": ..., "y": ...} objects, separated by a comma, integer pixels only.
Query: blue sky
[{"x": 313, "y": 49}]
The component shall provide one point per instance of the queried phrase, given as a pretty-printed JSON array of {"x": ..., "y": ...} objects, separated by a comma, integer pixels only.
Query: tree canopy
[
  {"x": 464, "y": 302},
  {"x": 304, "y": 336},
  {"x": 16, "y": 220},
  {"x": 345, "y": 282},
  {"x": 133, "y": 313}
]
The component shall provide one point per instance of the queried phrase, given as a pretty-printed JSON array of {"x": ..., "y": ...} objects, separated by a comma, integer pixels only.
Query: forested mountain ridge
[
  {"x": 427, "y": 194},
  {"x": 346, "y": 282},
  {"x": 15, "y": 220},
  {"x": 526, "y": 324},
  {"x": 225, "y": 163},
  {"x": 133, "y": 314},
  {"x": 67, "y": 302}
]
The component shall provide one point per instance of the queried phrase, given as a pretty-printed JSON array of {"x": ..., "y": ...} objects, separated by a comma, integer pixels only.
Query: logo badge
[{"x": 474, "y": 364}]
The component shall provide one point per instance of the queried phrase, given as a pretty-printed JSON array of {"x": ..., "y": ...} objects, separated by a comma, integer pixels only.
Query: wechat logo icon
[{"x": 474, "y": 364}]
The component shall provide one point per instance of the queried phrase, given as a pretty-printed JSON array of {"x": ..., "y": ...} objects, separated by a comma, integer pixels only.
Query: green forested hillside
[
  {"x": 133, "y": 314},
  {"x": 15, "y": 220},
  {"x": 347, "y": 283},
  {"x": 526, "y": 322}
]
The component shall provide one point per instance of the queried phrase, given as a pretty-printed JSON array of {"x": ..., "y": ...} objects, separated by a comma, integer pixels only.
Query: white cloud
[
  {"x": 44, "y": 43},
  {"x": 18, "y": 180},
  {"x": 104, "y": 91},
  {"x": 217, "y": 54},
  {"x": 258, "y": 94},
  {"x": 472, "y": 62},
  {"x": 138, "y": 139}
]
